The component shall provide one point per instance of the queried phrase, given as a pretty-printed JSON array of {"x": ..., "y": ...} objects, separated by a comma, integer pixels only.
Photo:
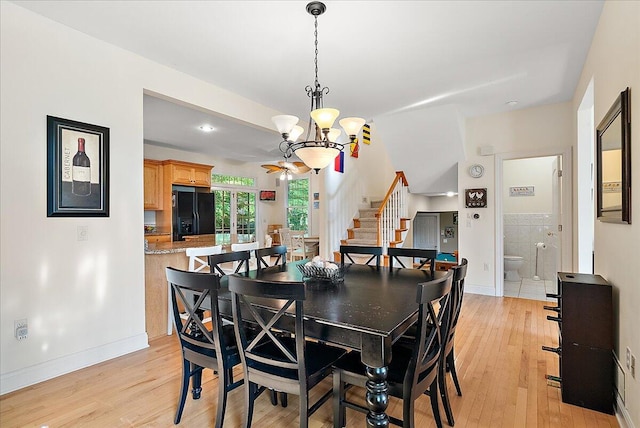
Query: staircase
[{"x": 384, "y": 223}]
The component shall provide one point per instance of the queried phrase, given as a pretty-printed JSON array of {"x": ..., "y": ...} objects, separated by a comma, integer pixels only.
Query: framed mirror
[{"x": 613, "y": 139}]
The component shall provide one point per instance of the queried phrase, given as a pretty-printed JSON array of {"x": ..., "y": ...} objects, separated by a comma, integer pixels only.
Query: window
[
  {"x": 298, "y": 204},
  {"x": 235, "y": 208}
]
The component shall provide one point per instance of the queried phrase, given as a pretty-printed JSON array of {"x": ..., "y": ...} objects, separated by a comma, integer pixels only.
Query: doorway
[
  {"x": 532, "y": 222},
  {"x": 436, "y": 231},
  {"x": 235, "y": 219}
]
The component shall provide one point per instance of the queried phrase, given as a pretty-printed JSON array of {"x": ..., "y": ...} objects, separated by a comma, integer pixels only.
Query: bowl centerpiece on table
[{"x": 319, "y": 271}]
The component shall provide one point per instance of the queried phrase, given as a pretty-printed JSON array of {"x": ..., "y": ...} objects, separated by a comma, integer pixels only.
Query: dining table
[{"x": 368, "y": 311}]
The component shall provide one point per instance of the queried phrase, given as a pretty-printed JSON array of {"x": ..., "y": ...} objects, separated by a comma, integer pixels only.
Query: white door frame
[{"x": 566, "y": 235}]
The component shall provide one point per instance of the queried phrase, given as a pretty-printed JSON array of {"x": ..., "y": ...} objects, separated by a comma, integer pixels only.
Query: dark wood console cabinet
[{"x": 585, "y": 319}]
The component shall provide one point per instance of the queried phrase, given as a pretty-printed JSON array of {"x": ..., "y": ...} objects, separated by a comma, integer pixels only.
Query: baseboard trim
[
  {"x": 28, "y": 376},
  {"x": 479, "y": 289},
  {"x": 622, "y": 415}
]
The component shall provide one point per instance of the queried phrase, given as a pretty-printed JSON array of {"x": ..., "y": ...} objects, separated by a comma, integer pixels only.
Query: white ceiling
[{"x": 405, "y": 65}]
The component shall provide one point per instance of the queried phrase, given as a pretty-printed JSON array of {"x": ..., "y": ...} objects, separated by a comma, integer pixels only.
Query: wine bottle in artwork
[{"x": 81, "y": 172}]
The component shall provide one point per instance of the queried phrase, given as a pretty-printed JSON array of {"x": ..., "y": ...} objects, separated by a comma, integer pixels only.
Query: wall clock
[{"x": 476, "y": 170}]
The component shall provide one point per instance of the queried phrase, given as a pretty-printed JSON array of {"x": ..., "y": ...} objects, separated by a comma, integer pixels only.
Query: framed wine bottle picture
[{"x": 77, "y": 169}]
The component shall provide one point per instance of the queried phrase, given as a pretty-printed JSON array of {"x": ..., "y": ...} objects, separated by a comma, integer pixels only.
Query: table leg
[{"x": 377, "y": 397}]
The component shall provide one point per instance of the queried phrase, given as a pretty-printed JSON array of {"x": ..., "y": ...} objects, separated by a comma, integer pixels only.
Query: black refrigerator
[{"x": 193, "y": 213}]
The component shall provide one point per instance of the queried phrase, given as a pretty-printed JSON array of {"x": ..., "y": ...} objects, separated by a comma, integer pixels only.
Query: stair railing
[{"x": 392, "y": 210}]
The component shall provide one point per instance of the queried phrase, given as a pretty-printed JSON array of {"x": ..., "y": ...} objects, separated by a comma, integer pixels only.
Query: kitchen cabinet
[
  {"x": 152, "y": 184},
  {"x": 180, "y": 173},
  {"x": 153, "y": 239},
  {"x": 190, "y": 174}
]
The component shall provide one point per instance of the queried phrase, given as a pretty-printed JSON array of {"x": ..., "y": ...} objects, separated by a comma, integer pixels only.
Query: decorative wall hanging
[
  {"x": 339, "y": 162},
  {"x": 77, "y": 169},
  {"x": 522, "y": 191},
  {"x": 354, "y": 148},
  {"x": 475, "y": 198},
  {"x": 366, "y": 134}
]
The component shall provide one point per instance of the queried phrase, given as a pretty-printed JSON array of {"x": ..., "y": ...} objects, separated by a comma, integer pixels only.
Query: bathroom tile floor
[{"x": 527, "y": 288}]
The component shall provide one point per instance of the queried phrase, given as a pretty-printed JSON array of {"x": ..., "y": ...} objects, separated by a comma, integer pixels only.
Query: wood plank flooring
[{"x": 500, "y": 364}]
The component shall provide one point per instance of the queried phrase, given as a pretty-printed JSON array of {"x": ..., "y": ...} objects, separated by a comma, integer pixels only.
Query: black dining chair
[
  {"x": 288, "y": 364},
  {"x": 202, "y": 347},
  {"x": 266, "y": 256},
  {"x": 238, "y": 258},
  {"x": 425, "y": 256},
  {"x": 412, "y": 372},
  {"x": 447, "y": 358},
  {"x": 347, "y": 250}
]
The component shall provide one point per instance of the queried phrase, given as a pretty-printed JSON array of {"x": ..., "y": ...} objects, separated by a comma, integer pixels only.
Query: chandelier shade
[
  {"x": 317, "y": 157},
  {"x": 284, "y": 123},
  {"x": 325, "y": 117},
  {"x": 321, "y": 146},
  {"x": 352, "y": 125}
]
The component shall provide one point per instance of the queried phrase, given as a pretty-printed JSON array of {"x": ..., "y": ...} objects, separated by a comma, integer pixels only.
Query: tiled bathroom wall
[{"x": 522, "y": 232}]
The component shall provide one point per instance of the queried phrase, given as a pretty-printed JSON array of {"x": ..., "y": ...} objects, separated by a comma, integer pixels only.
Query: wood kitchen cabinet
[
  {"x": 181, "y": 173},
  {"x": 154, "y": 239},
  {"x": 152, "y": 184},
  {"x": 189, "y": 174}
]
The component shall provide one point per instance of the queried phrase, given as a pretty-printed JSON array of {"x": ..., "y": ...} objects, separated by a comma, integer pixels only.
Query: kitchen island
[{"x": 157, "y": 256}]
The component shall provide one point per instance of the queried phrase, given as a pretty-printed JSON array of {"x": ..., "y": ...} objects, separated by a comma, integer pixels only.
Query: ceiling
[{"x": 416, "y": 69}]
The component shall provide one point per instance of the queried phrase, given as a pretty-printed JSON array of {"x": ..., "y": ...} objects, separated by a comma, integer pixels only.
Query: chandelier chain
[{"x": 315, "y": 33}]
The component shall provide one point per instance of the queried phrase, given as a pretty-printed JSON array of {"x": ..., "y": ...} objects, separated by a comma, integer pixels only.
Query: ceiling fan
[{"x": 286, "y": 167}]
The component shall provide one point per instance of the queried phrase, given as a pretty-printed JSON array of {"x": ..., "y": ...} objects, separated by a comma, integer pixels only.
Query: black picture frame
[
  {"x": 67, "y": 197},
  {"x": 613, "y": 160},
  {"x": 475, "y": 198}
]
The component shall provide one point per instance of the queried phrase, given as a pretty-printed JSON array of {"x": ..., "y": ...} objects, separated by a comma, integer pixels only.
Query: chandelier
[{"x": 320, "y": 147}]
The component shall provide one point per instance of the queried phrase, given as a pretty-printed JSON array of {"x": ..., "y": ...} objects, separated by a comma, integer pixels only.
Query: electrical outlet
[
  {"x": 628, "y": 359},
  {"x": 633, "y": 366},
  {"x": 21, "y": 329}
]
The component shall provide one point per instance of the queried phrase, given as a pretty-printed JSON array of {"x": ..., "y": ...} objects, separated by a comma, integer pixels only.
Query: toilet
[{"x": 511, "y": 266}]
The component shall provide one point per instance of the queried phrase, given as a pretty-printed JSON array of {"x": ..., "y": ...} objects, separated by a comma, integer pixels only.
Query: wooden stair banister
[{"x": 393, "y": 201}]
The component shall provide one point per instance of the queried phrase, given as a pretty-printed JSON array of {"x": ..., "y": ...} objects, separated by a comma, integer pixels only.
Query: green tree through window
[{"x": 298, "y": 204}]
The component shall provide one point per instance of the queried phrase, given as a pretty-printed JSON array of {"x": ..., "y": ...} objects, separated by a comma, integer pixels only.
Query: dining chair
[
  {"x": 219, "y": 263},
  {"x": 299, "y": 249},
  {"x": 412, "y": 372},
  {"x": 202, "y": 347},
  {"x": 291, "y": 365},
  {"x": 196, "y": 264},
  {"x": 247, "y": 246},
  {"x": 347, "y": 250},
  {"x": 425, "y": 256},
  {"x": 285, "y": 239},
  {"x": 265, "y": 256},
  {"x": 447, "y": 358}
]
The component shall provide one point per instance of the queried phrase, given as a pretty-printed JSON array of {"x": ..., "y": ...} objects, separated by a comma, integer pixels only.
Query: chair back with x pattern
[
  {"x": 447, "y": 358},
  {"x": 240, "y": 258},
  {"x": 266, "y": 256},
  {"x": 292, "y": 294},
  {"x": 203, "y": 345},
  {"x": 347, "y": 250},
  {"x": 426, "y": 256}
]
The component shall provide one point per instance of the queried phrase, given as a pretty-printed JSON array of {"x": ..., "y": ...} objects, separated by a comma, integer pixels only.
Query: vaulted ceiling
[{"x": 416, "y": 69}]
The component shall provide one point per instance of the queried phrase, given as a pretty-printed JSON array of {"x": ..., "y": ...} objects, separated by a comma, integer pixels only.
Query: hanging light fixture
[{"x": 320, "y": 147}]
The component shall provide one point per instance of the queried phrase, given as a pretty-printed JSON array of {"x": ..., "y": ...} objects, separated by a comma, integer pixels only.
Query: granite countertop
[{"x": 177, "y": 246}]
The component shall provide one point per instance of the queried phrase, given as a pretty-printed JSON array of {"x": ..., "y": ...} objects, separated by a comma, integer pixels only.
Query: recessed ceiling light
[
  {"x": 206, "y": 128},
  {"x": 511, "y": 103}
]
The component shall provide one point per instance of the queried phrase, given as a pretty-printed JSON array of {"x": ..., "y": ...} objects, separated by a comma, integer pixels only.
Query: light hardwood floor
[{"x": 500, "y": 365}]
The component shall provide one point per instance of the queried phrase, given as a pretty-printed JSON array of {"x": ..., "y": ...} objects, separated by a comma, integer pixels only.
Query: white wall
[
  {"x": 84, "y": 300},
  {"x": 368, "y": 176},
  {"x": 614, "y": 64},
  {"x": 536, "y": 172},
  {"x": 520, "y": 133}
]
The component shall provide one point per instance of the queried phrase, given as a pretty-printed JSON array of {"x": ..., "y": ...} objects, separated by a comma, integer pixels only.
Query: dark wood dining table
[{"x": 367, "y": 312}]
